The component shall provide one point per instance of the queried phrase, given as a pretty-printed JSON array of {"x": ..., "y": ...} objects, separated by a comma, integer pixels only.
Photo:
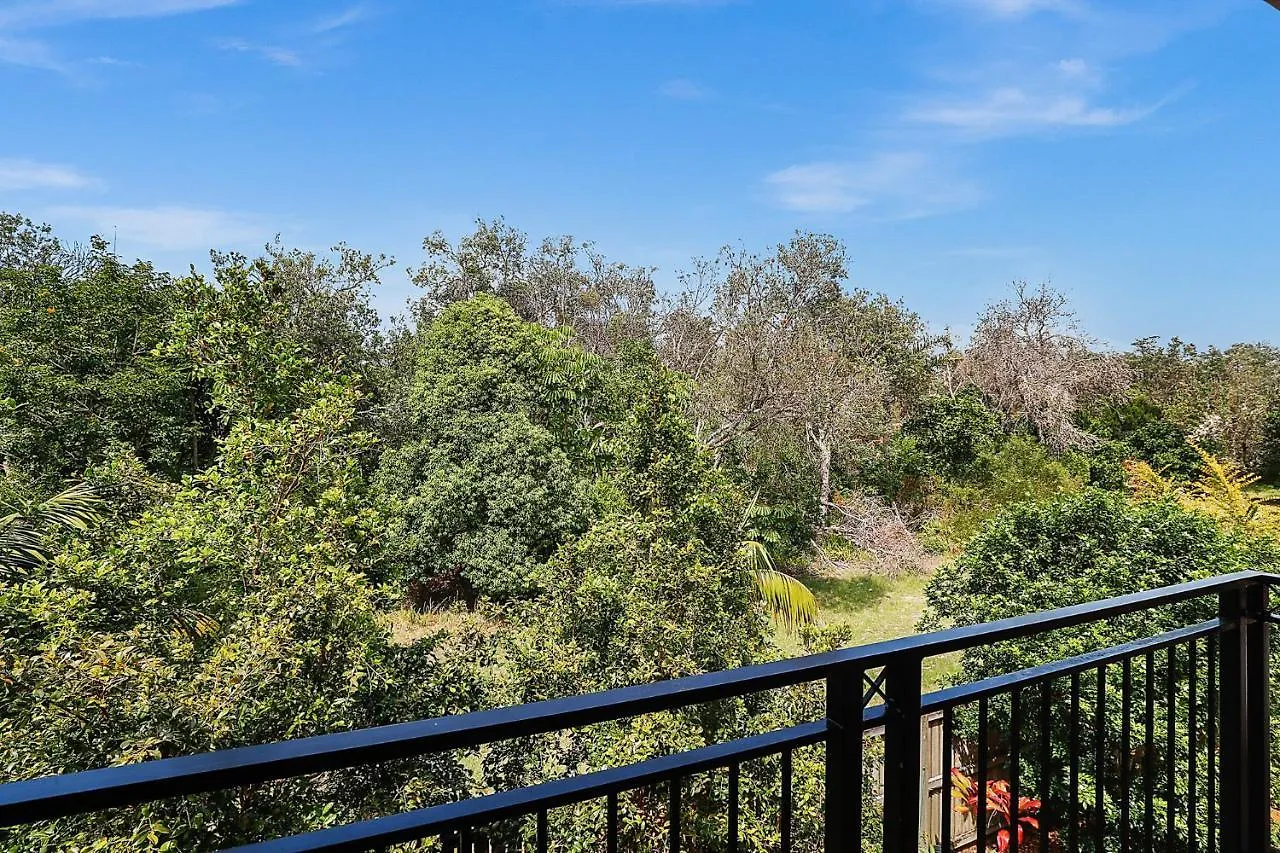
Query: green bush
[
  {"x": 1020, "y": 471},
  {"x": 79, "y": 373},
  {"x": 490, "y": 481},
  {"x": 957, "y": 434},
  {"x": 1075, "y": 549},
  {"x": 1082, "y": 547},
  {"x": 233, "y": 612},
  {"x": 1135, "y": 428}
]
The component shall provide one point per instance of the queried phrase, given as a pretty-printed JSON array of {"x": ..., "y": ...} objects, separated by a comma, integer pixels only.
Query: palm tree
[
  {"x": 788, "y": 601},
  {"x": 22, "y": 531}
]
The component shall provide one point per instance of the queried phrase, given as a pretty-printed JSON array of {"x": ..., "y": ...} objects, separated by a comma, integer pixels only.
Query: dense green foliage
[
  {"x": 1082, "y": 548},
  {"x": 79, "y": 374},
  {"x": 238, "y": 508},
  {"x": 957, "y": 433},
  {"x": 1094, "y": 545},
  {"x": 486, "y": 485}
]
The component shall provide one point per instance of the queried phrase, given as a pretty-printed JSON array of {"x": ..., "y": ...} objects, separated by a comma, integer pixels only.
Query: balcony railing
[{"x": 1198, "y": 779}]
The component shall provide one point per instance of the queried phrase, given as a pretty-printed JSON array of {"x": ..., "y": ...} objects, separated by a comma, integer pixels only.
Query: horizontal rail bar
[
  {"x": 92, "y": 790},
  {"x": 950, "y": 697},
  {"x": 481, "y": 811}
]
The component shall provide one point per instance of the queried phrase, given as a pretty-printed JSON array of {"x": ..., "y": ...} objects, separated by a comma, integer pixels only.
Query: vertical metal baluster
[
  {"x": 543, "y": 835},
  {"x": 733, "y": 808},
  {"x": 983, "y": 760},
  {"x": 1171, "y": 745},
  {"x": 1149, "y": 757},
  {"x": 902, "y": 764},
  {"x": 1192, "y": 805},
  {"x": 1073, "y": 750},
  {"x": 1015, "y": 760},
  {"x": 1100, "y": 766},
  {"x": 948, "y": 732},
  {"x": 1046, "y": 758},
  {"x": 673, "y": 816},
  {"x": 611, "y": 823},
  {"x": 786, "y": 801},
  {"x": 1126, "y": 730},
  {"x": 1244, "y": 813},
  {"x": 1212, "y": 742},
  {"x": 842, "y": 811}
]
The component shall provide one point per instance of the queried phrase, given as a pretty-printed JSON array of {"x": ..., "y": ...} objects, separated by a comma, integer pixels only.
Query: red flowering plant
[{"x": 964, "y": 791}]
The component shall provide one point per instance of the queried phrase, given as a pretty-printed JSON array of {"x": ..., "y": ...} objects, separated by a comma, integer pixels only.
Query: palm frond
[
  {"x": 190, "y": 623},
  {"x": 74, "y": 508},
  {"x": 22, "y": 531},
  {"x": 789, "y": 602}
]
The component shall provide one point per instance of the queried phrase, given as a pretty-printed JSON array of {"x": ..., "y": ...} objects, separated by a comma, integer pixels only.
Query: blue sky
[{"x": 1124, "y": 150}]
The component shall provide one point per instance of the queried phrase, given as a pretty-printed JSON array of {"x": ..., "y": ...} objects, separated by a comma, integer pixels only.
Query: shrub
[
  {"x": 489, "y": 483},
  {"x": 957, "y": 434},
  {"x": 235, "y": 611},
  {"x": 1075, "y": 549},
  {"x": 1083, "y": 547},
  {"x": 1020, "y": 471},
  {"x": 1135, "y": 428}
]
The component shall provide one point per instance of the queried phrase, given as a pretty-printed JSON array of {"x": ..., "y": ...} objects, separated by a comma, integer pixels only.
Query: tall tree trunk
[{"x": 822, "y": 442}]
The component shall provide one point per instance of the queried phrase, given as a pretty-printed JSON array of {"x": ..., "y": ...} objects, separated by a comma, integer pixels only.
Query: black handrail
[{"x": 59, "y": 796}]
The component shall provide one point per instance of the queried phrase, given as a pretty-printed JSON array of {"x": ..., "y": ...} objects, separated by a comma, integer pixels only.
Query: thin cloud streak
[
  {"x": 888, "y": 185},
  {"x": 348, "y": 17},
  {"x": 169, "y": 227},
  {"x": 1022, "y": 8},
  {"x": 36, "y": 14},
  {"x": 276, "y": 55},
  {"x": 681, "y": 89},
  {"x": 30, "y": 53},
  {"x": 1012, "y": 110},
  {"x": 19, "y": 174}
]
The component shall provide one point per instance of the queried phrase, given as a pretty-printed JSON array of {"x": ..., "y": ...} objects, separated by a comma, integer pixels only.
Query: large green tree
[
  {"x": 80, "y": 375},
  {"x": 236, "y": 612},
  {"x": 491, "y": 479}
]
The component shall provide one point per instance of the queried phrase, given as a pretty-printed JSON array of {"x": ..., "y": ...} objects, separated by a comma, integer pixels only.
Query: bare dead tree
[
  {"x": 1034, "y": 363},
  {"x": 561, "y": 284}
]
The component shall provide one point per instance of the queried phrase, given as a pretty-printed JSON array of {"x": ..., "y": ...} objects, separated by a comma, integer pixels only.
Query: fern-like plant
[
  {"x": 1221, "y": 490},
  {"x": 1146, "y": 482}
]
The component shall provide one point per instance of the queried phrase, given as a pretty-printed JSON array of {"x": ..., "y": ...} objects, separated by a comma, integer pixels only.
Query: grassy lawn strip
[{"x": 875, "y": 607}]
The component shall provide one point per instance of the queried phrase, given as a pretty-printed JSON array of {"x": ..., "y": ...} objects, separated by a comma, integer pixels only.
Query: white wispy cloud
[
  {"x": 1021, "y": 8},
  {"x": 339, "y": 20},
  {"x": 892, "y": 185},
  {"x": 994, "y": 252},
  {"x": 271, "y": 53},
  {"x": 30, "y": 53},
  {"x": 681, "y": 89},
  {"x": 304, "y": 42},
  {"x": 36, "y": 14},
  {"x": 22, "y": 25},
  {"x": 168, "y": 227},
  {"x": 688, "y": 3},
  {"x": 1012, "y": 110},
  {"x": 18, "y": 174}
]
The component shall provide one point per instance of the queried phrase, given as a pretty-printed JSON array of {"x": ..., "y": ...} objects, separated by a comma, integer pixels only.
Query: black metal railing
[{"x": 1187, "y": 768}]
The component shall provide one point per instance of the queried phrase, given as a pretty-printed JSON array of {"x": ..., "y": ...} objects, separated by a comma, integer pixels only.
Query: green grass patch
[{"x": 875, "y": 607}]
